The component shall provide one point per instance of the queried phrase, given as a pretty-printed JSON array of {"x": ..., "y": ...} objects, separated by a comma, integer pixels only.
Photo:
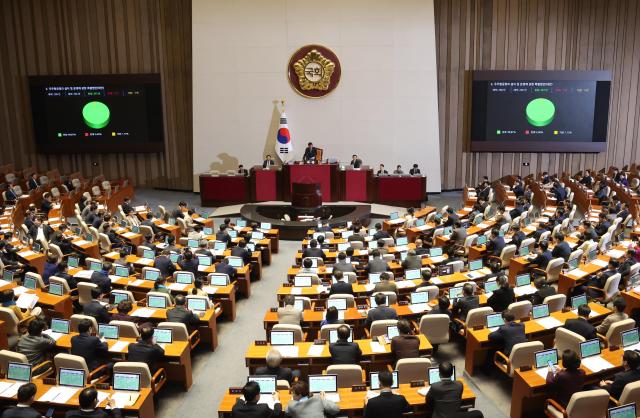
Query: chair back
[
  {"x": 476, "y": 316},
  {"x": 75, "y": 319},
  {"x": 357, "y": 245},
  {"x": 135, "y": 367},
  {"x": 380, "y": 327},
  {"x": 126, "y": 329},
  {"x": 182, "y": 225},
  {"x": 62, "y": 282},
  {"x": 630, "y": 393},
  {"x": 179, "y": 330},
  {"x": 326, "y": 329},
  {"x": 84, "y": 292},
  {"x": 105, "y": 242},
  {"x": 96, "y": 191},
  {"x": 567, "y": 340},
  {"x": 520, "y": 309},
  {"x": 553, "y": 269},
  {"x": 611, "y": 287},
  {"x": 507, "y": 253},
  {"x": 7, "y": 357},
  {"x": 146, "y": 230},
  {"x": 556, "y": 302},
  {"x": 457, "y": 265},
  {"x": 351, "y": 301},
  {"x": 10, "y": 320},
  {"x": 94, "y": 232},
  {"x": 297, "y": 330},
  {"x": 588, "y": 404},
  {"x": 435, "y": 327},
  {"x": 528, "y": 242},
  {"x": 613, "y": 333},
  {"x": 353, "y": 278},
  {"x": 523, "y": 354},
  {"x": 70, "y": 361},
  {"x": 412, "y": 369},
  {"x": 348, "y": 374}
]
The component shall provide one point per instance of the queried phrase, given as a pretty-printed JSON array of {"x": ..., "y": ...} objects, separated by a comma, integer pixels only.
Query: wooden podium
[{"x": 306, "y": 195}]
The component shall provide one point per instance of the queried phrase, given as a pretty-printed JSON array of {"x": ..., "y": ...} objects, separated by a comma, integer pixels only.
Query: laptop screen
[
  {"x": 624, "y": 411},
  {"x": 265, "y": 225},
  {"x": 347, "y": 234},
  {"x": 192, "y": 243},
  {"x": 339, "y": 303},
  {"x": 393, "y": 215},
  {"x": 323, "y": 383},
  {"x": 7, "y": 275},
  {"x": 590, "y": 348},
  {"x": 447, "y": 231},
  {"x": 434, "y": 375},
  {"x": 400, "y": 241},
  {"x": 219, "y": 245},
  {"x": 163, "y": 335},
  {"x": 375, "y": 382},
  {"x": 475, "y": 265},
  {"x": 373, "y": 304},
  {"x": 491, "y": 286},
  {"x": 540, "y": 311},
  {"x": 343, "y": 246},
  {"x": 257, "y": 235},
  {"x": 235, "y": 262},
  {"x": 392, "y": 331},
  {"x": 71, "y": 377},
  {"x": 241, "y": 223},
  {"x": 630, "y": 337},
  {"x": 218, "y": 280},
  {"x": 573, "y": 263},
  {"x": 281, "y": 337},
  {"x": 420, "y": 222},
  {"x": 184, "y": 278},
  {"x": 233, "y": 233},
  {"x": 435, "y": 252},
  {"x": 197, "y": 304},
  {"x": 61, "y": 326},
  {"x": 151, "y": 275},
  {"x": 302, "y": 281},
  {"x": 19, "y": 371},
  {"x": 110, "y": 332},
  {"x": 412, "y": 274},
  {"x": 494, "y": 320},
  {"x": 374, "y": 278},
  {"x": 523, "y": 280},
  {"x": 333, "y": 336},
  {"x": 545, "y": 356},
  {"x": 29, "y": 282},
  {"x": 419, "y": 297},
  {"x": 298, "y": 304},
  {"x": 592, "y": 255},
  {"x": 482, "y": 239},
  {"x": 56, "y": 289},
  {"x": 156, "y": 301},
  {"x": 455, "y": 292},
  {"x": 126, "y": 381},
  {"x": 267, "y": 383},
  {"x": 204, "y": 260},
  {"x": 207, "y": 230},
  {"x": 122, "y": 271},
  {"x": 118, "y": 296},
  {"x": 73, "y": 262},
  {"x": 578, "y": 301},
  {"x": 95, "y": 265}
]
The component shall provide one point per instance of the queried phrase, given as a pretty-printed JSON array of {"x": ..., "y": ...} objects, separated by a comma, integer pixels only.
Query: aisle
[{"x": 213, "y": 373}]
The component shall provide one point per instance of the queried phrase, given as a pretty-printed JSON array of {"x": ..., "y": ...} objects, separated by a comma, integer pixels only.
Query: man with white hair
[{"x": 274, "y": 360}]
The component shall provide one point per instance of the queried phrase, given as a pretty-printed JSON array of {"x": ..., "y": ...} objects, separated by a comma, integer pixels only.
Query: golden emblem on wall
[{"x": 314, "y": 71}]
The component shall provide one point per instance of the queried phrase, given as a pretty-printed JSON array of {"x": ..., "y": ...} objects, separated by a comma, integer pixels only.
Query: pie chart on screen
[
  {"x": 96, "y": 115},
  {"x": 540, "y": 112}
]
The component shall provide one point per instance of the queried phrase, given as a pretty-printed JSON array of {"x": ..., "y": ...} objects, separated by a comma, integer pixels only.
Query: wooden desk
[
  {"x": 142, "y": 408},
  {"x": 35, "y": 260},
  {"x": 478, "y": 343},
  {"x": 352, "y": 403},
  {"x": 391, "y": 225}
]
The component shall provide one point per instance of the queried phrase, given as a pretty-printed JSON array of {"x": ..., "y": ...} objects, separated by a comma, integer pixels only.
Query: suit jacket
[
  {"x": 495, "y": 246},
  {"x": 289, "y": 315},
  {"x": 243, "y": 409},
  {"x": 21, "y": 412},
  {"x": 501, "y": 299},
  {"x": 516, "y": 239},
  {"x": 314, "y": 252},
  {"x": 386, "y": 405},
  {"x": 405, "y": 346},
  {"x": 226, "y": 269},
  {"x": 313, "y": 406},
  {"x": 89, "y": 347},
  {"x": 146, "y": 353},
  {"x": 46, "y": 230},
  {"x": 562, "y": 249},
  {"x": 183, "y": 315},
  {"x": 96, "y": 310},
  {"x": 357, "y": 163},
  {"x": 189, "y": 265},
  {"x": 379, "y": 313},
  {"x": 380, "y": 234},
  {"x": 310, "y": 154},
  {"x": 463, "y": 305},
  {"x": 32, "y": 184},
  {"x": 96, "y": 413},
  {"x": 538, "y": 297},
  {"x": 565, "y": 383},
  {"x": 164, "y": 264},
  {"x": 355, "y": 237},
  {"x": 508, "y": 335},
  {"x": 385, "y": 286},
  {"x": 581, "y": 327},
  {"x": 344, "y": 352},
  {"x": 412, "y": 262},
  {"x": 35, "y": 347},
  {"x": 341, "y": 287},
  {"x": 620, "y": 380},
  {"x": 269, "y": 163},
  {"x": 458, "y": 236},
  {"x": 443, "y": 399},
  {"x": 102, "y": 281},
  {"x": 282, "y": 373},
  {"x": 414, "y": 171},
  {"x": 610, "y": 320},
  {"x": 542, "y": 259},
  {"x": 344, "y": 267},
  {"x": 377, "y": 265},
  {"x": 241, "y": 252}
]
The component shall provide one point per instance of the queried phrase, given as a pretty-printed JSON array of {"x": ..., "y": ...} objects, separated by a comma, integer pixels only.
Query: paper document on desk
[
  {"x": 401, "y": 248},
  {"x": 55, "y": 335},
  {"x": 112, "y": 254},
  {"x": 333, "y": 397},
  {"x": 145, "y": 261},
  {"x": 144, "y": 312},
  {"x": 578, "y": 273},
  {"x": 288, "y": 350},
  {"x": 424, "y": 227},
  {"x": 615, "y": 253},
  {"x": 18, "y": 290},
  {"x": 424, "y": 390},
  {"x": 27, "y": 301},
  {"x": 210, "y": 290},
  {"x": 321, "y": 289},
  {"x": 267, "y": 400},
  {"x": 202, "y": 268},
  {"x": 129, "y": 234},
  {"x": 84, "y": 274},
  {"x": 369, "y": 287},
  {"x": 80, "y": 242},
  {"x": 27, "y": 253},
  {"x": 102, "y": 396},
  {"x": 549, "y": 322},
  {"x": 419, "y": 307},
  {"x": 596, "y": 364},
  {"x": 542, "y": 372},
  {"x": 524, "y": 290},
  {"x": 405, "y": 284},
  {"x": 296, "y": 290},
  {"x": 11, "y": 390},
  {"x": 437, "y": 259},
  {"x": 4, "y": 386},
  {"x": 600, "y": 263},
  {"x": 482, "y": 225},
  {"x": 178, "y": 286},
  {"x": 58, "y": 394},
  {"x": 315, "y": 350},
  {"x": 119, "y": 346},
  {"x": 376, "y": 347},
  {"x": 436, "y": 281},
  {"x": 591, "y": 314}
]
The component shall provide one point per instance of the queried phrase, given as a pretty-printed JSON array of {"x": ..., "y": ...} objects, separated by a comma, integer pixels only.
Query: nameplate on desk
[
  {"x": 358, "y": 388},
  {"x": 525, "y": 319},
  {"x": 49, "y": 381},
  {"x": 478, "y": 327},
  {"x": 102, "y": 386},
  {"x": 403, "y": 303},
  {"x": 235, "y": 391},
  {"x": 273, "y": 310},
  {"x": 318, "y": 309},
  {"x": 614, "y": 348},
  {"x": 363, "y": 307},
  {"x": 417, "y": 383},
  {"x": 261, "y": 342},
  {"x": 525, "y": 368},
  {"x": 319, "y": 341},
  {"x": 287, "y": 285}
]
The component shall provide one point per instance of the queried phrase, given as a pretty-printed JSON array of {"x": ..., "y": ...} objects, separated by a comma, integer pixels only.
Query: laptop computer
[
  {"x": 375, "y": 381},
  {"x": 590, "y": 348},
  {"x": 523, "y": 251},
  {"x": 494, "y": 321},
  {"x": 265, "y": 225},
  {"x": 573, "y": 263},
  {"x": 236, "y": 262},
  {"x": 7, "y": 275},
  {"x": 184, "y": 277},
  {"x": 523, "y": 280},
  {"x": 577, "y": 301},
  {"x": 491, "y": 286},
  {"x": 29, "y": 283},
  {"x": 339, "y": 303},
  {"x": 197, "y": 304},
  {"x": 148, "y": 254},
  {"x": 217, "y": 280},
  {"x": 434, "y": 375},
  {"x": 624, "y": 411},
  {"x": 193, "y": 243},
  {"x": 482, "y": 239},
  {"x": 343, "y": 246},
  {"x": 418, "y": 298},
  {"x": 392, "y": 331},
  {"x": 56, "y": 289},
  {"x": 118, "y": 296},
  {"x": 60, "y": 326},
  {"x": 327, "y": 383},
  {"x": 95, "y": 265},
  {"x": 630, "y": 337},
  {"x": 393, "y": 215},
  {"x": 540, "y": 311},
  {"x": 546, "y": 358},
  {"x": 110, "y": 332},
  {"x": 241, "y": 223},
  {"x": 333, "y": 336},
  {"x": 401, "y": 241},
  {"x": 455, "y": 293},
  {"x": 151, "y": 275},
  {"x": 412, "y": 274},
  {"x": 163, "y": 335},
  {"x": 126, "y": 381},
  {"x": 475, "y": 265},
  {"x": 435, "y": 252},
  {"x": 257, "y": 235},
  {"x": 268, "y": 384},
  {"x": 204, "y": 260},
  {"x": 19, "y": 372},
  {"x": 281, "y": 338},
  {"x": 373, "y": 304},
  {"x": 158, "y": 302},
  {"x": 445, "y": 270},
  {"x": 71, "y": 377},
  {"x": 73, "y": 262},
  {"x": 302, "y": 281},
  {"x": 122, "y": 271}
]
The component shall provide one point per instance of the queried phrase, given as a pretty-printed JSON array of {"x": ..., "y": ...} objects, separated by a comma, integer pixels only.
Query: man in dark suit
[
  {"x": 250, "y": 408},
  {"x": 223, "y": 235},
  {"x": 181, "y": 314},
  {"x": 88, "y": 346},
  {"x": 380, "y": 233},
  {"x": 342, "y": 264},
  {"x": 274, "y": 368},
  {"x": 459, "y": 234},
  {"x": 543, "y": 290},
  {"x": 381, "y": 311},
  {"x": 164, "y": 264},
  {"x": 26, "y": 397},
  {"x": 355, "y": 161},
  {"x": 468, "y": 301},
  {"x": 126, "y": 205},
  {"x": 46, "y": 204},
  {"x": 387, "y": 404},
  {"x": 444, "y": 397},
  {"x": 414, "y": 170},
  {"x": 517, "y": 236},
  {"x": 587, "y": 179},
  {"x": 377, "y": 264},
  {"x": 188, "y": 263},
  {"x": 630, "y": 362},
  {"x": 268, "y": 162},
  {"x": 313, "y": 251},
  {"x": 340, "y": 286},
  {"x": 562, "y": 248},
  {"x": 101, "y": 278},
  {"x": 624, "y": 211},
  {"x": 96, "y": 309},
  {"x": 11, "y": 195},
  {"x": 225, "y": 268},
  {"x": 496, "y": 243},
  {"x": 601, "y": 278},
  {"x": 543, "y": 257},
  {"x": 342, "y": 351},
  {"x": 382, "y": 171},
  {"x": 241, "y": 251},
  {"x": 146, "y": 350},
  {"x": 581, "y": 325},
  {"x": 509, "y": 334},
  {"x": 88, "y": 400},
  {"x": 452, "y": 217},
  {"x": 603, "y": 224},
  {"x": 40, "y": 230},
  {"x": 503, "y": 296},
  {"x": 310, "y": 153},
  {"x": 33, "y": 182},
  {"x": 242, "y": 171},
  {"x": 588, "y": 232}
]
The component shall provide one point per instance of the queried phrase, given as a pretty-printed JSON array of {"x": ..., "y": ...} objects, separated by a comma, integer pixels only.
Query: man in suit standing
[
  {"x": 40, "y": 231},
  {"x": 146, "y": 350},
  {"x": 341, "y": 286},
  {"x": 310, "y": 153},
  {"x": 179, "y": 313},
  {"x": 343, "y": 351},
  {"x": 97, "y": 309},
  {"x": 250, "y": 408},
  {"x": 26, "y": 397},
  {"x": 377, "y": 264},
  {"x": 355, "y": 161},
  {"x": 342, "y": 264},
  {"x": 88, "y": 346},
  {"x": 581, "y": 325},
  {"x": 381, "y": 311},
  {"x": 444, "y": 397},
  {"x": 630, "y": 362},
  {"x": 88, "y": 400},
  {"x": 164, "y": 264},
  {"x": 387, "y": 404},
  {"x": 268, "y": 162},
  {"x": 509, "y": 334},
  {"x": 289, "y": 314},
  {"x": 561, "y": 249}
]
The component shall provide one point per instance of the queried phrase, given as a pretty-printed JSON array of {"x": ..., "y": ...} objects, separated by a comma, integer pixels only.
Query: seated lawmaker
[
  {"x": 509, "y": 334},
  {"x": 631, "y": 373},
  {"x": 405, "y": 345},
  {"x": 146, "y": 350},
  {"x": 468, "y": 301},
  {"x": 274, "y": 367},
  {"x": 310, "y": 153},
  {"x": 268, "y": 162},
  {"x": 381, "y": 311},
  {"x": 387, "y": 404},
  {"x": 567, "y": 381},
  {"x": 381, "y": 171},
  {"x": 26, "y": 397},
  {"x": 247, "y": 405},
  {"x": 503, "y": 296},
  {"x": 355, "y": 161},
  {"x": 444, "y": 398},
  {"x": 289, "y": 314},
  {"x": 35, "y": 345},
  {"x": 343, "y": 351},
  {"x": 414, "y": 170},
  {"x": 88, "y": 400},
  {"x": 313, "y": 251},
  {"x": 341, "y": 286},
  {"x": 581, "y": 325}
]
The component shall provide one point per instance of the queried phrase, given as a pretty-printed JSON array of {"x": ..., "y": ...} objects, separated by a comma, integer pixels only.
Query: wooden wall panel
[
  {"x": 535, "y": 35},
  {"x": 50, "y": 37}
]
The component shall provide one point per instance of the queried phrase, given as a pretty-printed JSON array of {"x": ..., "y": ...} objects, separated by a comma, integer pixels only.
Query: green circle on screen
[
  {"x": 540, "y": 112},
  {"x": 96, "y": 115}
]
